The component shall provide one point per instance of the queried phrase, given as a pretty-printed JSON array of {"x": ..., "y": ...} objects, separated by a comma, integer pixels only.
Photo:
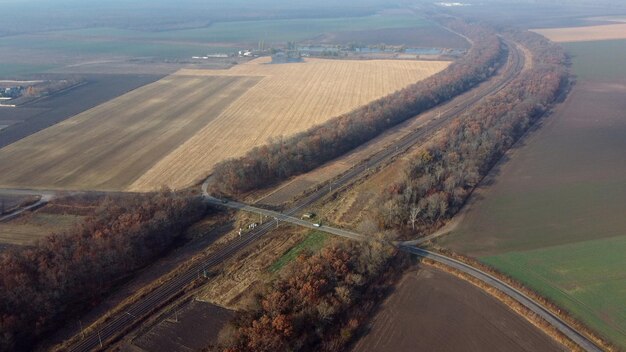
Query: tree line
[
  {"x": 64, "y": 274},
  {"x": 439, "y": 179},
  {"x": 286, "y": 157}
]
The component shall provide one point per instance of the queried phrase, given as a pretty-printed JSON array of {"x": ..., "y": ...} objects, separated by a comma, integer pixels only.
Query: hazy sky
[{"x": 22, "y": 16}]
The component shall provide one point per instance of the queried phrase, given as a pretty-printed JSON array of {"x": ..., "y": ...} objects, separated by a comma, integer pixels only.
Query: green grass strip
[{"x": 313, "y": 242}]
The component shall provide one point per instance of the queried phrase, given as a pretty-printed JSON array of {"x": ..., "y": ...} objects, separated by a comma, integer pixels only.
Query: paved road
[
  {"x": 276, "y": 217},
  {"x": 156, "y": 298},
  {"x": 492, "y": 281}
]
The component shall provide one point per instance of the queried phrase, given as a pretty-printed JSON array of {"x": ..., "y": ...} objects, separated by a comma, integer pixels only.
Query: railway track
[
  {"x": 533, "y": 306},
  {"x": 137, "y": 312},
  {"x": 514, "y": 65}
]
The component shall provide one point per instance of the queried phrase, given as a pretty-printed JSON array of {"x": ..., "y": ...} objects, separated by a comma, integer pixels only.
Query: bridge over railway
[{"x": 537, "y": 308}]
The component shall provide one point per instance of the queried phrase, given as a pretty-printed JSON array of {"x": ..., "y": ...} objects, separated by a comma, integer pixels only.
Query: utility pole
[{"x": 82, "y": 332}]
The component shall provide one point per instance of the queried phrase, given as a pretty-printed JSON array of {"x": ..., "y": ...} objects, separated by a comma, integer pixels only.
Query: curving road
[
  {"x": 123, "y": 321},
  {"x": 510, "y": 291}
]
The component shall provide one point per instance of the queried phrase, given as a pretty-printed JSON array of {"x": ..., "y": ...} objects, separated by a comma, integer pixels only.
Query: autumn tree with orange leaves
[{"x": 318, "y": 302}]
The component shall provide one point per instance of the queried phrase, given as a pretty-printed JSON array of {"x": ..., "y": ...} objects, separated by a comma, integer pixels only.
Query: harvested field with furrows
[
  {"x": 111, "y": 145},
  {"x": 290, "y": 98},
  {"x": 35, "y": 116},
  {"x": 173, "y": 131},
  {"x": 432, "y": 310},
  {"x": 583, "y": 34}
]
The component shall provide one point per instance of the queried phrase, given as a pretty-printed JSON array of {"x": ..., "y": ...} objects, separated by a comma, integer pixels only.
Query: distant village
[
  {"x": 295, "y": 53},
  {"x": 14, "y": 93},
  {"x": 11, "y": 92}
]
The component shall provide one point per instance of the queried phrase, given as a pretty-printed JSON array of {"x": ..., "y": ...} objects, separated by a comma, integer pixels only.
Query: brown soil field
[
  {"x": 290, "y": 98},
  {"x": 551, "y": 214},
  {"x": 111, "y": 145},
  {"x": 193, "y": 327},
  {"x": 562, "y": 184},
  {"x": 427, "y": 36},
  {"x": 584, "y": 34},
  {"x": 147, "y": 66},
  {"x": 31, "y": 118},
  {"x": 432, "y": 310},
  {"x": 539, "y": 14}
]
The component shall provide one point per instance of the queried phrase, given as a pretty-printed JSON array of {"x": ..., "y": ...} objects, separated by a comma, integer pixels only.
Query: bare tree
[{"x": 415, "y": 211}]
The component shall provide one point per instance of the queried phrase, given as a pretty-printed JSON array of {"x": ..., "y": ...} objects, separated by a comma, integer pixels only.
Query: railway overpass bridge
[{"x": 488, "y": 279}]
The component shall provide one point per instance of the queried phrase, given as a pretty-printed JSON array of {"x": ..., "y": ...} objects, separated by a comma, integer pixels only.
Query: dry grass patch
[
  {"x": 583, "y": 34},
  {"x": 241, "y": 277},
  {"x": 289, "y": 99},
  {"x": 25, "y": 230}
]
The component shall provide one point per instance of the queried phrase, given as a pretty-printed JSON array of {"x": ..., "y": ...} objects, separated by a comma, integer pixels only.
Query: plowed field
[{"x": 430, "y": 310}]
